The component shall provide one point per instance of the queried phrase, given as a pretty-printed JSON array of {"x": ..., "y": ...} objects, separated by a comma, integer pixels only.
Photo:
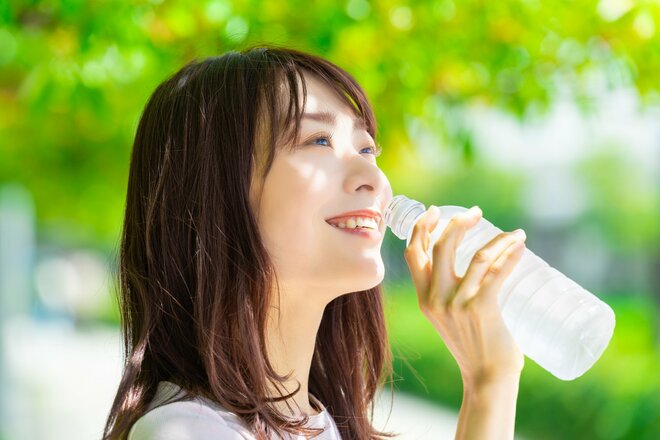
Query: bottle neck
[{"x": 401, "y": 214}]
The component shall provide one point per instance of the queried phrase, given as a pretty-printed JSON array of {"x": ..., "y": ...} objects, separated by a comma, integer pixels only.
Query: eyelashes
[{"x": 376, "y": 150}]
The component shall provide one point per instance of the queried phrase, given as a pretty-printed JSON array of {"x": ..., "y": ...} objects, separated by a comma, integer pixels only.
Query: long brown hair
[{"x": 194, "y": 277}]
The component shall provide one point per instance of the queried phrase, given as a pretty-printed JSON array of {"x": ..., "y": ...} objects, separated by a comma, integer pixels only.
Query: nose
[{"x": 367, "y": 176}]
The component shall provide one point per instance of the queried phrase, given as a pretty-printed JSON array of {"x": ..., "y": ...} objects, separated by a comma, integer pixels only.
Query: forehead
[{"x": 323, "y": 104}]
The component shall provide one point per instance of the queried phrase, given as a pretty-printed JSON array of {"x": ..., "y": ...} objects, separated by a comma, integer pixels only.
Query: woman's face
[{"x": 319, "y": 179}]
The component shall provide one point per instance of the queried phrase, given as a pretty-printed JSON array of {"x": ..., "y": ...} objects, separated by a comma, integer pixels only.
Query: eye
[
  {"x": 374, "y": 150},
  {"x": 326, "y": 138}
]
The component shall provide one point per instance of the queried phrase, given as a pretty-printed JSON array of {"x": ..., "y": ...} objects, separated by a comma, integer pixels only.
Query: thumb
[{"x": 416, "y": 253}]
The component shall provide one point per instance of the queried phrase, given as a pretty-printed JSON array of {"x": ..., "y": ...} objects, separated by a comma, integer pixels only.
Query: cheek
[{"x": 293, "y": 198}]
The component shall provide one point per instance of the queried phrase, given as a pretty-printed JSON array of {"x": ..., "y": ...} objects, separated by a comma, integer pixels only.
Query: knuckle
[
  {"x": 432, "y": 308},
  {"x": 455, "y": 222},
  {"x": 427, "y": 306},
  {"x": 439, "y": 245},
  {"x": 456, "y": 225},
  {"x": 494, "y": 270},
  {"x": 467, "y": 306},
  {"x": 482, "y": 256},
  {"x": 479, "y": 305},
  {"x": 439, "y": 242}
]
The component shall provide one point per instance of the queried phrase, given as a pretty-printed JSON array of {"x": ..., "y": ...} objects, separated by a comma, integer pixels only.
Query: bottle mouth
[{"x": 400, "y": 213}]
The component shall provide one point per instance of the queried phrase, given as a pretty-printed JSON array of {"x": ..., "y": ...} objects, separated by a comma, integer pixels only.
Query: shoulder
[{"x": 186, "y": 420}]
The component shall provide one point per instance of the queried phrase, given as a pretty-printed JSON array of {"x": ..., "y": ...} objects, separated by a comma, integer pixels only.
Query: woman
[{"x": 248, "y": 309}]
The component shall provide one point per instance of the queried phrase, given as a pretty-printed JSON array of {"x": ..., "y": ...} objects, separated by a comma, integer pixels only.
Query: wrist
[
  {"x": 486, "y": 384},
  {"x": 488, "y": 410}
]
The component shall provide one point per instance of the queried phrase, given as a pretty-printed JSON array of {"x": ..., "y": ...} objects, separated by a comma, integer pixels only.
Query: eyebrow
[{"x": 330, "y": 118}]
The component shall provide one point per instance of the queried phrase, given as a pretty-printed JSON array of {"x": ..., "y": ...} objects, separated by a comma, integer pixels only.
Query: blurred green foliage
[
  {"x": 618, "y": 398},
  {"x": 75, "y": 75}
]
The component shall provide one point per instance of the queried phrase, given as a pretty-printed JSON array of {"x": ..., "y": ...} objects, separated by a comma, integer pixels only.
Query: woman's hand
[{"x": 465, "y": 310}]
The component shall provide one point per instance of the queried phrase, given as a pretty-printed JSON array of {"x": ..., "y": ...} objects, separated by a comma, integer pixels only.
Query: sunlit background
[{"x": 546, "y": 114}]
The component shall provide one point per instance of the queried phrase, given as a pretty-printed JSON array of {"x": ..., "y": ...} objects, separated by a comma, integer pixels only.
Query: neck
[{"x": 290, "y": 340}]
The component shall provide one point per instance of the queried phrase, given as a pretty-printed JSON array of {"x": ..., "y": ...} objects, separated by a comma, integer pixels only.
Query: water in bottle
[{"x": 555, "y": 322}]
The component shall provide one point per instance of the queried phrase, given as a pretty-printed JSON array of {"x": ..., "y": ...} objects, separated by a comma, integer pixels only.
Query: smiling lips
[
  {"x": 361, "y": 232},
  {"x": 364, "y": 223},
  {"x": 362, "y": 217}
]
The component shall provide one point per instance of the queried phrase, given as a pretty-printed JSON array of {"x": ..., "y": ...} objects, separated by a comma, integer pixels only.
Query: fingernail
[
  {"x": 520, "y": 233},
  {"x": 473, "y": 211}
]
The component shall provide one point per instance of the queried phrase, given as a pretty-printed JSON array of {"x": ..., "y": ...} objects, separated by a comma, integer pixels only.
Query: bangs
[
  {"x": 292, "y": 88},
  {"x": 283, "y": 96}
]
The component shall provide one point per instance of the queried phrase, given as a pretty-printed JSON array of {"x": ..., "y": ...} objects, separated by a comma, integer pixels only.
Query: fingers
[
  {"x": 444, "y": 280},
  {"x": 415, "y": 253},
  {"x": 489, "y": 267},
  {"x": 500, "y": 270}
]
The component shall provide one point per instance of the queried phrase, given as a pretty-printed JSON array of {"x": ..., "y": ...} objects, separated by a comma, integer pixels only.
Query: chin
[{"x": 371, "y": 281}]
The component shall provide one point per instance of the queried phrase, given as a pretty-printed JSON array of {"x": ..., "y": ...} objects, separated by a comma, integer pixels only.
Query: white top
[{"x": 202, "y": 419}]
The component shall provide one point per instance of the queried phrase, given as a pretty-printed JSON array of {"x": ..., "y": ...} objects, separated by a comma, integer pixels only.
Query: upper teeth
[{"x": 357, "y": 222}]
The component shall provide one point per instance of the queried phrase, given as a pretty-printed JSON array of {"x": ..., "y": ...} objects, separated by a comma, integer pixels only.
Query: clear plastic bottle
[{"x": 555, "y": 322}]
